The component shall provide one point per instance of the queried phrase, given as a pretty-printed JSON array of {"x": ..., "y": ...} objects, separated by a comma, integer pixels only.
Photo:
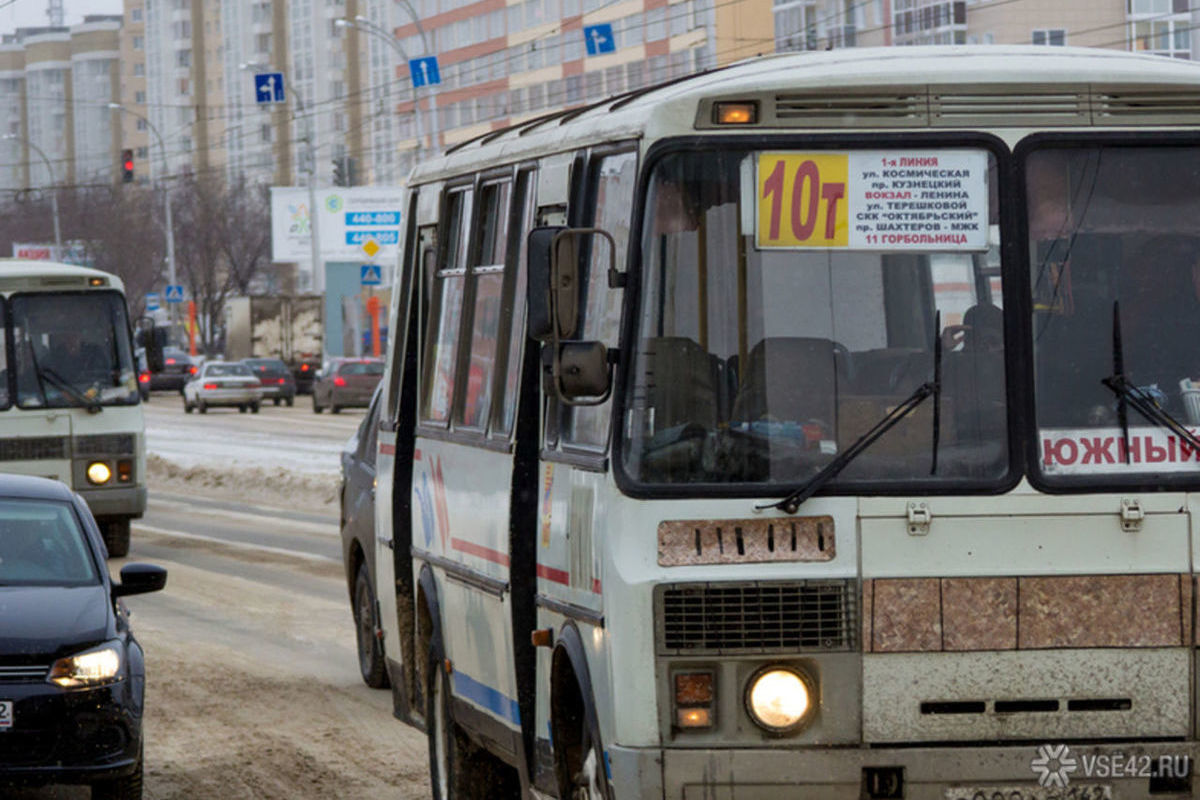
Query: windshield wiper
[
  {"x": 46, "y": 374},
  {"x": 1130, "y": 395},
  {"x": 792, "y": 502}
]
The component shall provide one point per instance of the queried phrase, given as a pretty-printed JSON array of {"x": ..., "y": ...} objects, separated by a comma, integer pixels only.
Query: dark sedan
[
  {"x": 178, "y": 368},
  {"x": 345, "y": 382},
  {"x": 358, "y": 544},
  {"x": 275, "y": 377},
  {"x": 72, "y": 676}
]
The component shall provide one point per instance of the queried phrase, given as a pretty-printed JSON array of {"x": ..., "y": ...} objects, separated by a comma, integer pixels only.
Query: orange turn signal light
[
  {"x": 742, "y": 113},
  {"x": 693, "y": 718}
]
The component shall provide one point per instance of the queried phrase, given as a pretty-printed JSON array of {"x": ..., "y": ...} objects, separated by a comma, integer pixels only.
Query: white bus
[
  {"x": 819, "y": 426},
  {"x": 69, "y": 402}
]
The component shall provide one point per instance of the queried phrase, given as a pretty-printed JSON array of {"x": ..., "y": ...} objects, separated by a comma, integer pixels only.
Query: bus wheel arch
[{"x": 579, "y": 763}]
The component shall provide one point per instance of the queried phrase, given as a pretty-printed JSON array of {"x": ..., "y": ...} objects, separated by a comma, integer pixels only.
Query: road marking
[{"x": 153, "y": 529}]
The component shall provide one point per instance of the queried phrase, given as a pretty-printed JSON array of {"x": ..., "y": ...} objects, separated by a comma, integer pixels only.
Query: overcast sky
[{"x": 32, "y": 13}]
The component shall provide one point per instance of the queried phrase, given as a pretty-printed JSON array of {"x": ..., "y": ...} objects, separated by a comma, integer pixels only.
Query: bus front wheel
[{"x": 116, "y": 536}]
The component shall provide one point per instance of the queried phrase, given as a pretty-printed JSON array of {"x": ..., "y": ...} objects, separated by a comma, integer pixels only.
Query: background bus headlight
[
  {"x": 99, "y": 473},
  {"x": 779, "y": 699}
]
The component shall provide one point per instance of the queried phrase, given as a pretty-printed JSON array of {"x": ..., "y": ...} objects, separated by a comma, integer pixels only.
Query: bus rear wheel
[
  {"x": 458, "y": 769},
  {"x": 116, "y": 536}
]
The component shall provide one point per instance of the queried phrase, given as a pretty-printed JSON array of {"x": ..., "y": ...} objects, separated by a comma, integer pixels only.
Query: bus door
[
  {"x": 574, "y": 478},
  {"x": 463, "y": 461}
]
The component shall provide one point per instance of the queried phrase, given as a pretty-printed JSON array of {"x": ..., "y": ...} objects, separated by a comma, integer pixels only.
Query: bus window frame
[
  {"x": 1141, "y": 481},
  {"x": 583, "y": 214},
  {"x": 10, "y": 353},
  {"x": 442, "y": 271},
  {"x": 483, "y": 180},
  {"x": 389, "y": 417},
  {"x": 799, "y": 140},
  {"x": 523, "y": 197}
]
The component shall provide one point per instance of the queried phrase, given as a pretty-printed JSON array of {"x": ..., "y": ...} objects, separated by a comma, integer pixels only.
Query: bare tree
[{"x": 247, "y": 233}]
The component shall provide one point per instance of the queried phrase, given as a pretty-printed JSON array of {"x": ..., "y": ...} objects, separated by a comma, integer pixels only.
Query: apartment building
[{"x": 1162, "y": 27}]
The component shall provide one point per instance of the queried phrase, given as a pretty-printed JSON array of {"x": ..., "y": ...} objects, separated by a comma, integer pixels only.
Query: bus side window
[
  {"x": 513, "y": 311},
  {"x": 445, "y": 313},
  {"x": 486, "y": 280},
  {"x": 610, "y": 188}
]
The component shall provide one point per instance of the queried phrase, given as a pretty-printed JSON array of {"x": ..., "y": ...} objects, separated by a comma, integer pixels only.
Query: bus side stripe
[{"x": 485, "y": 696}]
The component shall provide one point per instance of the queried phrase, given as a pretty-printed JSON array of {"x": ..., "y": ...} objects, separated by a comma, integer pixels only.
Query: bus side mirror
[
  {"x": 583, "y": 376},
  {"x": 539, "y": 264},
  {"x": 154, "y": 339}
]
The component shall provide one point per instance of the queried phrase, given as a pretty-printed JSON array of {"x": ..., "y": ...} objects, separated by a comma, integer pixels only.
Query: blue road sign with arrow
[
  {"x": 268, "y": 88},
  {"x": 174, "y": 293},
  {"x": 599, "y": 39},
  {"x": 424, "y": 71},
  {"x": 372, "y": 275}
]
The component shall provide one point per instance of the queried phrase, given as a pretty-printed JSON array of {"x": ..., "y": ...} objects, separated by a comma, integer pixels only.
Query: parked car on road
[
  {"x": 346, "y": 382},
  {"x": 72, "y": 675},
  {"x": 277, "y": 381},
  {"x": 178, "y": 368},
  {"x": 357, "y": 501},
  {"x": 223, "y": 383}
]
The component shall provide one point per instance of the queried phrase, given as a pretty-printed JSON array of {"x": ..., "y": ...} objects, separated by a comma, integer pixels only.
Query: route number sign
[{"x": 872, "y": 200}]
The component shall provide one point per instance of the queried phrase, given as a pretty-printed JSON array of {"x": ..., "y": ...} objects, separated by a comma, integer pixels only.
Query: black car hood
[{"x": 53, "y": 620}]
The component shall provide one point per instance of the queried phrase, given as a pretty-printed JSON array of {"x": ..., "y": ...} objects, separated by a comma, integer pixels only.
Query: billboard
[{"x": 350, "y": 220}]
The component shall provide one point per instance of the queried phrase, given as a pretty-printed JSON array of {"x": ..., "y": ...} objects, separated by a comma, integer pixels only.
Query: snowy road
[
  {"x": 293, "y": 438},
  {"x": 253, "y": 690}
]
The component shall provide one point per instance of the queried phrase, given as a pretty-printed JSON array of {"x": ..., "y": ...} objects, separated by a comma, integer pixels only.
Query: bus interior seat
[
  {"x": 891, "y": 370},
  {"x": 973, "y": 380},
  {"x": 791, "y": 379},
  {"x": 684, "y": 383}
]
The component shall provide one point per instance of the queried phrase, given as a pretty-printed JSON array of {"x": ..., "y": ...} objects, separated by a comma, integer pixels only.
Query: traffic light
[
  {"x": 339, "y": 172},
  {"x": 127, "y": 166}
]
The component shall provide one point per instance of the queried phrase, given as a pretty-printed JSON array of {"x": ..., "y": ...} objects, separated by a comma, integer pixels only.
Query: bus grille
[
  {"x": 33, "y": 448},
  {"x": 105, "y": 444},
  {"x": 758, "y": 617}
]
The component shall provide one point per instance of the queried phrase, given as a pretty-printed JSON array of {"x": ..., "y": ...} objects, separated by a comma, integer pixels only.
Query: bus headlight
[
  {"x": 779, "y": 699},
  {"x": 99, "y": 473}
]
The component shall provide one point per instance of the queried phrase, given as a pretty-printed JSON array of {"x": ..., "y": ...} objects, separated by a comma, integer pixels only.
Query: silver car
[{"x": 223, "y": 383}]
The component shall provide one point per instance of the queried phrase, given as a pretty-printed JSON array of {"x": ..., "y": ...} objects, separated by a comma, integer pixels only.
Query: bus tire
[
  {"x": 370, "y": 648},
  {"x": 116, "y": 536},
  {"x": 254, "y": 408},
  {"x": 458, "y": 770}
]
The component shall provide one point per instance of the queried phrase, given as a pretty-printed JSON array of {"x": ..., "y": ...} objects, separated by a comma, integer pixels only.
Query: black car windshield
[
  {"x": 42, "y": 544},
  {"x": 1115, "y": 279},
  {"x": 73, "y": 350},
  {"x": 791, "y": 299}
]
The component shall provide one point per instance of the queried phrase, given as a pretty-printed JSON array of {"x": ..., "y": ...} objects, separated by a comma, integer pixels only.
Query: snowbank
[{"x": 273, "y": 486}]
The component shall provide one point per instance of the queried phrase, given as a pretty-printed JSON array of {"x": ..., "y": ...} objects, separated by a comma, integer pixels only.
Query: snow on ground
[{"x": 284, "y": 457}]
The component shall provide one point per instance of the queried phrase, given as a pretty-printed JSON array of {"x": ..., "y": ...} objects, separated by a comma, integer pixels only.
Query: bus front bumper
[
  {"x": 1128, "y": 770},
  {"x": 119, "y": 501}
]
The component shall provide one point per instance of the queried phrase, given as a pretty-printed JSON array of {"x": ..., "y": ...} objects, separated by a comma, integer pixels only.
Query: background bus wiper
[
  {"x": 93, "y": 406},
  {"x": 792, "y": 502},
  {"x": 1130, "y": 395}
]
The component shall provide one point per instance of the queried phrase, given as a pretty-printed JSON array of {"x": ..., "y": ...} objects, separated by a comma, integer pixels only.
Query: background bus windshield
[
  {"x": 72, "y": 350},
  {"x": 759, "y": 364}
]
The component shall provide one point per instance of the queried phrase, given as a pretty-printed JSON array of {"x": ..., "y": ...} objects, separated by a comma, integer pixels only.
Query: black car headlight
[{"x": 95, "y": 667}]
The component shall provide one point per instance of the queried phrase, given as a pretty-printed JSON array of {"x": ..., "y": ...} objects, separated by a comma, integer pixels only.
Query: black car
[
  {"x": 178, "y": 368},
  {"x": 358, "y": 543},
  {"x": 72, "y": 677},
  {"x": 275, "y": 377}
]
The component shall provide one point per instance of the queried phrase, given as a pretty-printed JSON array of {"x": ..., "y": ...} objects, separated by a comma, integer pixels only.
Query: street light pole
[
  {"x": 366, "y": 26},
  {"x": 58, "y": 245},
  {"x": 166, "y": 192},
  {"x": 310, "y": 166}
]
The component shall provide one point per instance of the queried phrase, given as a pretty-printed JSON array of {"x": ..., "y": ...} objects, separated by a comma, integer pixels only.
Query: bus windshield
[
  {"x": 1115, "y": 279},
  {"x": 791, "y": 300},
  {"x": 72, "y": 350}
]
